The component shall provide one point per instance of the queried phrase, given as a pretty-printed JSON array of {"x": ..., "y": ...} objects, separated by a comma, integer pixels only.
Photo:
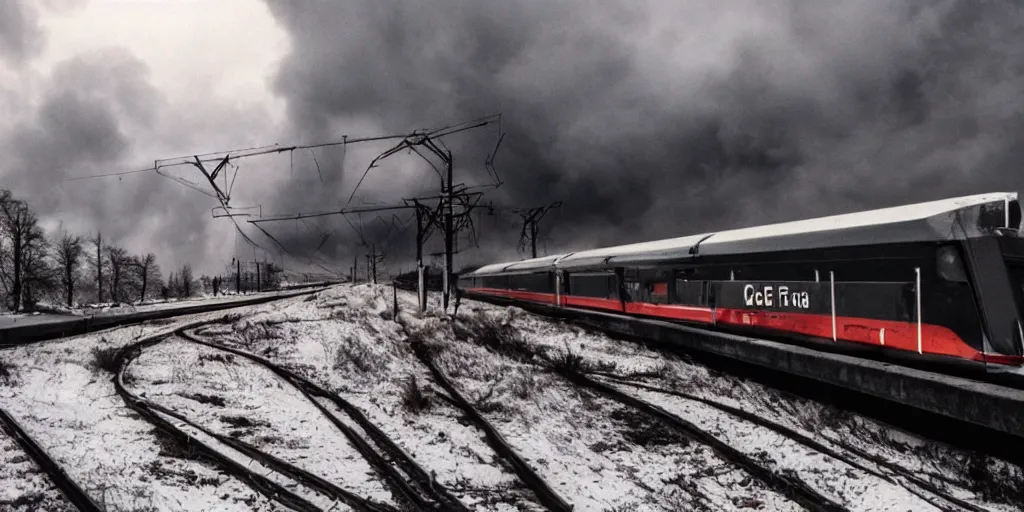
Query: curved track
[{"x": 409, "y": 482}]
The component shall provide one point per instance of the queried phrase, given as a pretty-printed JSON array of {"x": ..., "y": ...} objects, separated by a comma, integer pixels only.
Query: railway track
[
  {"x": 579, "y": 373},
  {"x": 545, "y": 494},
  {"x": 75, "y": 495},
  {"x": 886, "y": 470},
  {"x": 790, "y": 486},
  {"x": 414, "y": 482},
  {"x": 409, "y": 482}
]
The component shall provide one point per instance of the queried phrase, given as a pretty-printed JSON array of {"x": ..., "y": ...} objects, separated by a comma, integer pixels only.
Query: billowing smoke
[
  {"x": 662, "y": 118},
  {"x": 99, "y": 112},
  {"x": 647, "y": 119},
  {"x": 20, "y": 36},
  {"x": 92, "y": 110}
]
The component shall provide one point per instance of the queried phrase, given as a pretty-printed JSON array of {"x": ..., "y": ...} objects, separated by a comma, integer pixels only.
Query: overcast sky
[{"x": 649, "y": 119}]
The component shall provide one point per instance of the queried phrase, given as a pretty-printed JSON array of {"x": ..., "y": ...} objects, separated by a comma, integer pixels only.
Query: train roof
[
  {"x": 947, "y": 219},
  {"x": 934, "y": 221},
  {"x": 630, "y": 253},
  {"x": 526, "y": 265}
]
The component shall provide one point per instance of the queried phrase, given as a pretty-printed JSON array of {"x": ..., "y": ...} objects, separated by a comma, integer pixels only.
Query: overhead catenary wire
[{"x": 226, "y": 163}]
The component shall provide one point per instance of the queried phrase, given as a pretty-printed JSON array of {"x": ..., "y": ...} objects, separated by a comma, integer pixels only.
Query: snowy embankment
[
  {"x": 63, "y": 396},
  {"x": 592, "y": 450},
  {"x": 978, "y": 480}
]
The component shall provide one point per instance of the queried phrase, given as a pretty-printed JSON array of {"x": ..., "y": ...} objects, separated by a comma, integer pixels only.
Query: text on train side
[{"x": 769, "y": 296}]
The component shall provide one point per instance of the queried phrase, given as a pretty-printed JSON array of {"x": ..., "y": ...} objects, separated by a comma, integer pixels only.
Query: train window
[
  {"x": 603, "y": 285},
  {"x": 539, "y": 282},
  {"x": 949, "y": 265},
  {"x": 498, "y": 282},
  {"x": 647, "y": 285}
]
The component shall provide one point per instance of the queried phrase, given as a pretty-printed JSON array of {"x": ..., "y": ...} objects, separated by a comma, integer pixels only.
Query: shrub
[
  {"x": 413, "y": 399},
  {"x": 105, "y": 359},
  {"x": 569, "y": 363},
  {"x": 6, "y": 372}
]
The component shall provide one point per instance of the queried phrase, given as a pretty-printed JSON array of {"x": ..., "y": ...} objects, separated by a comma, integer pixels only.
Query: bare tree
[
  {"x": 186, "y": 280},
  {"x": 98, "y": 263},
  {"x": 120, "y": 265},
  {"x": 149, "y": 273},
  {"x": 173, "y": 286},
  {"x": 40, "y": 274},
  {"x": 24, "y": 238},
  {"x": 70, "y": 251}
]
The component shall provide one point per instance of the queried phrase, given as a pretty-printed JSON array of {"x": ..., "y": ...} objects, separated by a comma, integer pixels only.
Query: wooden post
[{"x": 394, "y": 291}]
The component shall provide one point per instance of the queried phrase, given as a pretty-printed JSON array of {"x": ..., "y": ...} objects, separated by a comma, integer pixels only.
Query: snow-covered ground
[
  {"x": 594, "y": 452},
  {"x": 23, "y": 487},
  {"x": 235, "y": 397},
  {"x": 984, "y": 481},
  {"x": 63, "y": 396}
]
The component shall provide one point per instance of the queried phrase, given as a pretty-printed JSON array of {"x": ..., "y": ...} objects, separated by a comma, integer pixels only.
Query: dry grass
[
  {"x": 257, "y": 331},
  {"x": 497, "y": 336},
  {"x": 104, "y": 359},
  {"x": 223, "y": 358},
  {"x": 6, "y": 372},
  {"x": 351, "y": 353},
  {"x": 206, "y": 399},
  {"x": 569, "y": 363},
  {"x": 413, "y": 398}
]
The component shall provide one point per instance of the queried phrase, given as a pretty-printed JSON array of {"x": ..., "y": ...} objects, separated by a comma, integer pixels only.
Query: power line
[{"x": 108, "y": 175}]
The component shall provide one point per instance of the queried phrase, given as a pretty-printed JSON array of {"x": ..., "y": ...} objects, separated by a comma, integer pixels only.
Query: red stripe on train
[
  {"x": 935, "y": 339},
  {"x": 689, "y": 313},
  {"x": 592, "y": 302}
]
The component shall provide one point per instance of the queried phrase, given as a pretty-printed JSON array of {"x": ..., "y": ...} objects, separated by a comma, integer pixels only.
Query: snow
[
  {"x": 596, "y": 453},
  {"x": 69, "y": 406},
  {"x": 24, "y": 486},
  {"x": 345, "y": 341},
  {"x": 232, "y": 396},
  {"x": 943, "y": 466}
]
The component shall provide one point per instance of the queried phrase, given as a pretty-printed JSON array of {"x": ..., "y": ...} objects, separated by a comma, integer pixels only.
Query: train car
[{"x": 937, "y": 282}]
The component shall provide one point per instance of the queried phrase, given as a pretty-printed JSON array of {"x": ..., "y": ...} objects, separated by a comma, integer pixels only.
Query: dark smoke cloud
[
  {"x": 661, "y": 118},
  {"x": 93, "y": 109},
  {"x": 20, "y": 35}
]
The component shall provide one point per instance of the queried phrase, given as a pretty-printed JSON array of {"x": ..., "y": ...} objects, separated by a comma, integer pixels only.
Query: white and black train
[{"x": 939, "y": 282}]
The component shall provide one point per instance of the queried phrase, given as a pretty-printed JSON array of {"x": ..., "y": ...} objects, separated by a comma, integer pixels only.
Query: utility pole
[
  {"x": 421, "y": 291},
  {"x": 531, "y": 221},
  {"x": 533, "y": 239},
  {"x": 355, "y": 268},
  {"x": 449, "y": 235},
  {"x": 99, "y": 267},
  {"x": 258, "y": 287},
  {"x": 238, "y": 276}
]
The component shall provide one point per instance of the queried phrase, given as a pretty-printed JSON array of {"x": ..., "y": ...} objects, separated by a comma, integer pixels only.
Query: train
[{"x": 937, "y": 283}]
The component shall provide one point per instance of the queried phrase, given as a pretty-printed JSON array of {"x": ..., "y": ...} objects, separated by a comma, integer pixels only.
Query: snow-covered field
[{"x": 593, "y": 451}]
